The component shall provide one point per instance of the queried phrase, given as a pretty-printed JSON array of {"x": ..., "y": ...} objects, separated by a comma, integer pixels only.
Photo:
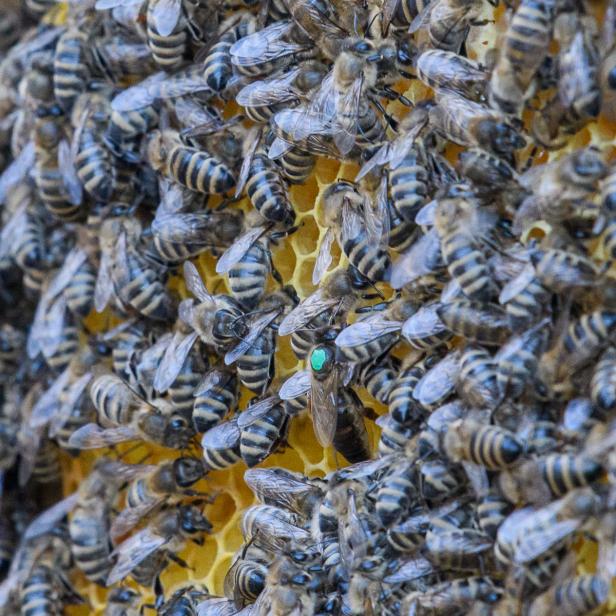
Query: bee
[
  {"x": 245, "y": 579},
  {"x": 122, "y": 601},
  {"x": 152, "y": 486},
  {"x": 468, "y": 123},
  {"x": 125, "y": 415},
  {"x": 166, "y": 32},
  {"x": 441, "y": 69},
  {"x": 395, "y": 492},
  {"x": 70, "y": 66},
  {"x": 379, "y": 378},
  {"x": 477, "y": 378},
  {"x": 11, "y": 346},
  {"x": 185, "y": 601},
  {"x": 437, "y": 382},
  {"x": 562, "y": 270},
  {"x": 221, "y": 445},
  {"x": 263, "y": 426},
  {"x": 606, "y": 66},
  {"x": 351, "y": 219},
  {"x": 483, "y": 323},
  {"x": 351, "y": 437},
  {"x": 602, "y": 390},
  {"x": 459, "y": 223},
  {"x": 282, "y": 488},
  {"x": 489, "y": 446},
  {"x": 458, "y": 550},
  {"x": 262, "y": 99},
  {"x": 574, "y": 596},
  {"x": 124, "y": 128},
  {"x": 215, "y": 396},
  {"x": 146, "y": 553},
  {"x": 56, "y": 181},
  {"x": 189, "y": 166},
  {"x": 440, "y": 598},
  {"x": 424, "y": 330},
  {"x": 394, "y": 435}
]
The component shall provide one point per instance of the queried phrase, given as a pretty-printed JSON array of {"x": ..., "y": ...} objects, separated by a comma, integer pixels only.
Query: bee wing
[
  {"x": 466, "y": 543},
  {"x": 255, "y": 330},
  {"x": 269, "y": 91},
  {"x": 425, "y": 322},
  {"x": 439, "y": 381},
  {"x": 92, "y": 436},
  {"x": 296, "y": 385},
  {"x": 323, "y": 407},
  {"x": 388, "y": 11},
  {"x": 410, "y": 570},
  {"x": 516, "y": 285},
  {"x": 224, "y": 436},
  {"x": 217, "y": 607},
  {"x": 214, "y": 378},
  {"x": 278, "y": 148},
  {"x": 353, "y": 537},
  {"x": 104, "y": 286},
  {"x": 238, "y": 249},
  {"x": 69, "y": 400},
  {"x": 133, "y": 551},
  {"x": 284, "y": 489},
  {"x": 422, "y": 19},
  {"x": 183, "y": 227},
  {"x": 71, "y": 180},
  {"x": 12, "y": 230},
  {"x": 54, "y": 322},
  {"x": 33, "y": 344},
  {"x": 129, "y": 517},
  {"x": 304, "y": 312},
  {"x": 165, "y": 15},
  {"x": 324, "y": 257},
  {"x": 379, "y": 221},
  {"x": 173, "y": 359},
  {"x": 49, "y": 519},
  {"x": 73, "y": 261},
  {"x": 362, "y": 332},
  {"x": 255, "y": 139},
  {"x": 195, "y": 284},
  {"x": 104, "y": 5},
  {"x": 257, "y": 410},
  {"x": 477, "y": 477},
  {"x": 427, "y": 214},
  {"x": 422, "y": 258},
  {"x": 265, "y": 45},
  {"x": 17, "y": 170},
  {"x": 378, "y": 159},
  {"x": 533, "y": 543},
  {"x": 48, "y": 404}
]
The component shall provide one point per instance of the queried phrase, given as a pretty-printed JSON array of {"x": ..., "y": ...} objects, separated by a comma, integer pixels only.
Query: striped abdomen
[
  {"x": 70, "y": 71},
  {"x": 587, "y": 335},
  {"x": 39, "y": 595},
  {"x": 211, "y": 405},
  {"x": 603, "y": 383},
  {"x": 580, "y": 595},
  {"x": 378, "y": 379},
  {"x": 371, "y": 261},
  {"x": 565, "y": 472},
  {"x": 79, "y": 293},
  {"x": 181, "y": 392},
  {"x": 260, "y": 437},
  {"x": 90, "y": 543},
  {"x": 394, "y": 437},
  {"x": 218, "y": 68},
  {"x": 66, "y": 349},
  {"x": 477, "y": 379},
  {"x": 527, "y": 305},
  {"x": 492, "y": 509},
  {"x": 47, "y": 465},
  {"x": 297, "y": 165},
  {"x": 199, "y": 171},
  {"x": 255, "y": 368},
  {"x": 126, "y": 126},
  {"x": 167, "y": 51},
  {"x": 369, "y": 350},
  {"x": 393, "y": 498},
  {"x": 493, "y": 448},
  {"x": 219, "y": 459},
  {"x": 267, "y": 192},
  {"x": 402, "y": 406},
  {"x": 248, "y": 277},
  {"x": 408, "y": 184},
  {"x": 94, "y": 165},
  {"x": 113, "y": 400},
  {"x": 351, "y": 438}
]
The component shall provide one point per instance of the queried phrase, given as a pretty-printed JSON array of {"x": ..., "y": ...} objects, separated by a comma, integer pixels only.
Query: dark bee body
[
  {"x": 125, "y": 343},
  {"x": 394, "y": 436},
  {"x": 182, "y": 390},
  {"x": 402, "y": 406},
  {"x": 560, "y": 270},
  {"x": 488, "y": 446},
  {"x": 296, "y": 165},
  {"x": 483, "y": 323},
  {"x": 477, "y": 380},
  {"x": 246, "y": 578},
  {"x": 351, "y": 438},
  {"x": 248, "y": 277},
  {"x": 125, "y": 127},
  {"x": 603, "y": 383},
  {"x": 438, "y": 481},
  {"x": 408, "y": 184},
  {"x": 393, "y": 498},
  {"x": 379, "y": 378},
  {"x": 113, "y": 400},
  {"x": 70, "y": 71},
  {"x": 458, "y": 550},
  {"x": 255, "y": 368},
  {"x": 586, "y": 336},
  {"x": 79, "y": 293},
  {"x": 304, "y": 339},
  {"x": 167, "y": 51},
  {"x": 213, "y": 403},
  {"x": 267, "y": 192},
  {"x": 225, "y": 451},
  {"x": 574, "y": 597},
  {"x": 67, "y": 347},
  {"x": 492, "y": 509},
  {"x": 260, "y": 437},
  {"x": 39, "y": 594},
  {"x": 565, "y": 472},
  {"x": 527, "y": 305},
  {"x": 47, "y": 468},
  {"x": 402, "y": 234}
]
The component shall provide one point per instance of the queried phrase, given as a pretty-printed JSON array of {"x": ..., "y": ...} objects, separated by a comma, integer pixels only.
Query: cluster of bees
[{"x": 473, "y": 301}]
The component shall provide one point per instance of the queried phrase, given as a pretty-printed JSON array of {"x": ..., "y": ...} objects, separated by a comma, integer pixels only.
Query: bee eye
[{"x": 178, "y": 423}]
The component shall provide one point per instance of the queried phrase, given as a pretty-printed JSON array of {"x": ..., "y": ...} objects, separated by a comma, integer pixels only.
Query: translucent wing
[
  {"x": 302, "y": 314},
  {"x": 49, "y": 519},
  {"x": 49, "y": 403},
  {"x": 265, "y": 45},
  {"x": 324, "y": 257},
  {"x": 55, "y": 320},
  {"x": 165, "y": 15},
  {"x": 141, "y": 95},
  {"x": 184, "y": 227},
  {"x": 422, "y": 19},
  {"x": 516, "y": 285},
  {"x": 423, "y": 323},
  {"x": 238, "y": 249},
  {"x": 410, "y": 570},
  {"x": 389, "y": 9},
  {"x": 224, "y": 436},
  {"x": 133, "y": 551},
  {"x": 173, "y": 359},
  {"x": 129, "y": 517},
  {"x": 104, "y": 5},
  {"x": 214, "y": 378},
  {"x": 194, "y": 283},
  {"x": 378, "y": 220},
  {"x": 269, "y": 91},
  {"x": 72, "y": 183},
  {"x": 73, "y": 261},
  {"x": 324, "y": 408},
  {"x": 438, "y": 382},
  {"x": 69, "y": 399},
  {"x": 425, "y": 216},
  {"x": 33, "y": 345},
  {"x": 257, "y": 410},
  {"x": 534, "y": 543},
  {"x": 104, "y": 287},
  {"x": 12, "y": 230},
  {"x": 17, "y": 170},
  {"x": 186, "y": 311},
  {"x": 254, "y": 331},
  {"x": 250, "y": 150},
  {"x": 364, "y": 331},
  {"x": 296, "y": 385},
  {"x": 422, "y": 258},
  {"x": 92, "y": 436},
  {"x": 217, "y": 607},
  {"x": 278, "y": 148}
]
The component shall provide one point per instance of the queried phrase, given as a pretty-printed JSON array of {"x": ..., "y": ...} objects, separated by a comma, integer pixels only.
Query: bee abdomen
[
  {"x": 402, "y": 406},
  {"x": 493, "y": 448},
  {"x": 259, "y": 438},
  {"x": 408, "y": 185},
  {"x": 255, "y": 367},
  {"x": 468, "y": 266},
  {"x": 297, "y": 165},
  {"x": 211, "y": 406},
  {"x": 167, "y": 51},
  {"x": 199, "y": 171},
  {"x": 603, "y": 383},
  {"x": 580, "y": 595},
  {"x": 79, "y": 293},
  {"x": 565, "y": 472},
  {"x": 66, "y": 349},
  {"x": 267, "y": 192},
  {"x": 492, "y": 510},
  {"x": 369, "y": 350},
  {"x": 218, "y": 68},
  {"x": 394, "y": 437},
  {"x": 248, "y": 277},
  {"x": 70, "y": 71},
  {"x": 95, "y": 171},
  {"x": 90, "y": 547},
  {"x": 38, "y": 594},
  {"x": 351, "y": 438},
  {"x": 393, "y": 498}
]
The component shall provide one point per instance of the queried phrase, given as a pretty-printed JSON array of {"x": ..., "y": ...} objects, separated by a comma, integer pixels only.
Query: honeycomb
[{"x": 294, "y": 259}]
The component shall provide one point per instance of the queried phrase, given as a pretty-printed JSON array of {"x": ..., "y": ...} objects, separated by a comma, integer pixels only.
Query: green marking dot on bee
[{"x": 318, "y": 359}]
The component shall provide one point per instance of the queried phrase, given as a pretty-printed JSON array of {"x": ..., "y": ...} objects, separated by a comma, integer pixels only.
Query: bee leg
[
  {"x": 394, "y": 96},
  {"x": 179, "y": 561},
  {"x": 482, "y": 22},
  {"x": 393, "y": 123},
  {"x": 276, "y": 276},
  {"x": 159, "y": 593},
  {"x": 199, "y": 542}
]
